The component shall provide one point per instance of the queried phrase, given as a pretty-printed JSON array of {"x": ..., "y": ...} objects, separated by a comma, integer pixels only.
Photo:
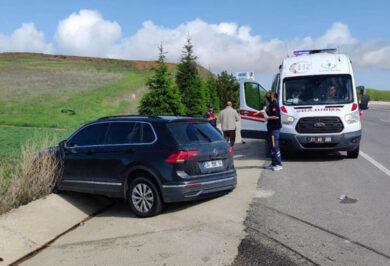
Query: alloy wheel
[{"x": 142, "y": 197}]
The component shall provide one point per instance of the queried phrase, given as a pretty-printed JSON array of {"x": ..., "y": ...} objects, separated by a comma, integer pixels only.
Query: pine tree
[
  {"x": 189, "y": 82},
  {"x": 228, "y": 89},
  {"x": 211, "y": 86},
  {"x": 163, "y": 98}
]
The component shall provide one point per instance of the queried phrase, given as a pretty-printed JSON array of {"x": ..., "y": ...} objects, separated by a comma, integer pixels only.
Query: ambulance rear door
[{"x": 252, "y": 110}]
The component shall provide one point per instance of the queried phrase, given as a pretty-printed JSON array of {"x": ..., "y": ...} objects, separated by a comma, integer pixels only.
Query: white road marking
[
  {"x": 375, "y": 163},
  {"x": 238, "y": 156},
  {"x": 388, "y": 121}
]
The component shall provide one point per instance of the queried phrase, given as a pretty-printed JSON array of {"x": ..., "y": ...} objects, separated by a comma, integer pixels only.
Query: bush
[
  {"x": 33, "y": 175},
  {"x": 211, "y": 86},
  {"x": 228, "y": 89}
]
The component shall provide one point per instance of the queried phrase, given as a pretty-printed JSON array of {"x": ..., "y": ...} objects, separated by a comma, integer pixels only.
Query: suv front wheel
[{"x": 144, "y": 198}]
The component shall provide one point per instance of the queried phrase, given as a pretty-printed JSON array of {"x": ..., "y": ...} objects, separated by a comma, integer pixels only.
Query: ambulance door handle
[{"x": 245, "y": 113}]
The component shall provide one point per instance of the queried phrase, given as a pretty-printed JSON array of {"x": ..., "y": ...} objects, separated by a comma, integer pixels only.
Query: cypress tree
[
  {"x": 163, "y": 98},
  {"x": 189, "y": 82}
]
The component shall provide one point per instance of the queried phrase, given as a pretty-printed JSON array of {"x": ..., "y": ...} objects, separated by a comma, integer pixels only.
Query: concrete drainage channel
[
  {"x": 28, "y": 230},
  {"x": 46, "y": 245}
]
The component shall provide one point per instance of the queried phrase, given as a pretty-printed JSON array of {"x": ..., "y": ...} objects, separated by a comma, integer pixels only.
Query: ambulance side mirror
[{"x": 360, "y": 89}]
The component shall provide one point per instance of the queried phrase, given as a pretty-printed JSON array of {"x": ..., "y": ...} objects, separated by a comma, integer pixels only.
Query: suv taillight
[{"x": 181, "y": 156}]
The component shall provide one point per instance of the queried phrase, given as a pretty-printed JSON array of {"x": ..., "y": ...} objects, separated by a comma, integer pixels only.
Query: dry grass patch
[{"x": 33, "y": 175}]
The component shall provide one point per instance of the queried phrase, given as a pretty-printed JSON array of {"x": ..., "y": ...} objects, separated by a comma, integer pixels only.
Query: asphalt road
[
  {"x": 273, "y": 218},
  {"x": 298, "y": 219}
]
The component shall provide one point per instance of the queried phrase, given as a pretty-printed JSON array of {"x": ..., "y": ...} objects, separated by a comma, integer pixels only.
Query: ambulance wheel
[{"x": 354, "y": 153}]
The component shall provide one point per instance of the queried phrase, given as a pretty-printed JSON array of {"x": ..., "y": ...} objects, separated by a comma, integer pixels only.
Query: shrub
[
  {"x": 33, "y": 175},
  {"x": 228, "y": 89}
]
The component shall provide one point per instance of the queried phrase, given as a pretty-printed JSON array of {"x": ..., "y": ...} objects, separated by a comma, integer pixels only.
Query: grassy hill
[
  {"x": 379, "y": 95},
  {"x": 53, "y": 95}
]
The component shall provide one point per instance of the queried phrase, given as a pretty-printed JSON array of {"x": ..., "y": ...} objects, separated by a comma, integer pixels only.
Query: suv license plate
[
  {"x": 319, "y": 139},
  {"x": 212, "y": 164}
]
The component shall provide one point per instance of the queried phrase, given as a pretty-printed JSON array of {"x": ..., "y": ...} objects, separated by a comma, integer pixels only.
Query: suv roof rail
[
  {"x": 127, "y": 116},
  {"x": 315, "y": 51}
]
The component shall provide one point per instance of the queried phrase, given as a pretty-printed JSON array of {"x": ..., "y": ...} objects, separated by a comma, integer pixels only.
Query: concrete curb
[{"x": 28, "y": 228}]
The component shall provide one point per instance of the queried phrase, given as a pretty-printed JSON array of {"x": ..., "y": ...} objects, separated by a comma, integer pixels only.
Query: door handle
[{"x": 245, "y": 113}]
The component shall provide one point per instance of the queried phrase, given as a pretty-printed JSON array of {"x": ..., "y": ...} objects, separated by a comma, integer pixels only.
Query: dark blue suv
[{"x": 147, "y": 160}]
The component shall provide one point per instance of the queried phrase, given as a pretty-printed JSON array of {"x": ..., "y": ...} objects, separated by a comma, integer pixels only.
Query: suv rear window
[
  {"x": 185, "y": 133},
  {"x": 124, "y": 133}
]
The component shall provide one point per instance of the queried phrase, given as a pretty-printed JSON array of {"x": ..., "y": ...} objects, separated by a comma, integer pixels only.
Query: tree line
[{"x": 187, "y": 93}]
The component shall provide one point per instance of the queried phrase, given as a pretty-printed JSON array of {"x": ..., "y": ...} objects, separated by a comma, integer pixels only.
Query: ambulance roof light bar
[{"x": 316, "y": 51}]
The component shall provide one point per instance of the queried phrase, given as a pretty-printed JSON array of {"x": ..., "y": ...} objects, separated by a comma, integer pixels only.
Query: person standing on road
[
  {"x": 211, "y": 117},
  {"x": 229, "y": 117},
  {"x": 273, "y": 127}
]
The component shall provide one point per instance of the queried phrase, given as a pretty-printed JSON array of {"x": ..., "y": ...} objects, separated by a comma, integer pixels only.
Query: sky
[{"x": 227, "y": 35}]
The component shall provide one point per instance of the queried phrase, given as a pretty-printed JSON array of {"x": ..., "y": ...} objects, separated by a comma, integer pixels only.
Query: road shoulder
[
  {"x": 200, "y": 233},
  {"x": 30, "y": 227}
]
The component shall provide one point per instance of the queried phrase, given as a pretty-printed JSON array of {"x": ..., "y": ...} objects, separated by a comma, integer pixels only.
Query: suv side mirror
[{"x": 62, "y": 143}]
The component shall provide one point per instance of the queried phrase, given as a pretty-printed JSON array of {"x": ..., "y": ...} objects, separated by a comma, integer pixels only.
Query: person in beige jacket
[{"x": 228, "y": 118}]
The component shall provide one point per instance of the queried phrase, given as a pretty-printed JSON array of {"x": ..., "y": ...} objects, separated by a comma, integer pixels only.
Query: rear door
[
  {"x": 252, "y": 103},
  {"x": 126, "y": 143}
]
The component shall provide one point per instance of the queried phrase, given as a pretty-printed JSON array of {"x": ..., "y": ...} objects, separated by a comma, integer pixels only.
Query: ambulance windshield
[{"x": 318, "y": 90}]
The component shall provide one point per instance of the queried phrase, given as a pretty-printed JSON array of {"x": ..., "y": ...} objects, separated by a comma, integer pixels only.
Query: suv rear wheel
[
  {"x": 354, "y": 153},
  {"x": 144, "y": 198}
]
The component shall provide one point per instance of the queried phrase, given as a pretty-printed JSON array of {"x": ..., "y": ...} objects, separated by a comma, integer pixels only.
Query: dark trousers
[
  {"x": 230, "y": 136},
  {"x": 273, "y": 141}
]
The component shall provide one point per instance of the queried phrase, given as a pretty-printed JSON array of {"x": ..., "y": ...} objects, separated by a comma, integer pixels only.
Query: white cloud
[
  {"x": 87, "y": 33},
  {"x": 338, "y": 35},
  {"x": 225, "y": 45},
  {"x": 25, "y": 39},
  {"x": 377, "y": 58},
  {"x": 218, "y": 46}
]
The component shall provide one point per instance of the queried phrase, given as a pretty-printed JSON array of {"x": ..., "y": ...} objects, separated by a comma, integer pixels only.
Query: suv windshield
[
  {"x": 194, "y": 132},
  {"x": 317, "y": 90}
]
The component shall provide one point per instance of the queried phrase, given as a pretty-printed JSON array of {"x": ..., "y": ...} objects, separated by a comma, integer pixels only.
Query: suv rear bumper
[
  {"x": 343, "y": 142},
  {"x": 200, "y": 187}
]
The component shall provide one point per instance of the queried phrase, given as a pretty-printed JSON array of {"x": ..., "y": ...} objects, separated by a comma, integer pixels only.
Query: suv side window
[
  {"x": 124, "y": 133},
  {"x": 90, "y": 135},
  {"x": 147, "y": 133}
]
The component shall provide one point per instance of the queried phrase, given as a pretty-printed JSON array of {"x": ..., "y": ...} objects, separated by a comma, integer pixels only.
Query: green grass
[
  {"x": 46, "y": 110},
  {"x": 379, "y": 95},
  {"x": 34, "y": 89}
]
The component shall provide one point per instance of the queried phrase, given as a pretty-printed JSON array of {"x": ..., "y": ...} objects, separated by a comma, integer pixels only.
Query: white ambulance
[{"x": 318, "y": 103}]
